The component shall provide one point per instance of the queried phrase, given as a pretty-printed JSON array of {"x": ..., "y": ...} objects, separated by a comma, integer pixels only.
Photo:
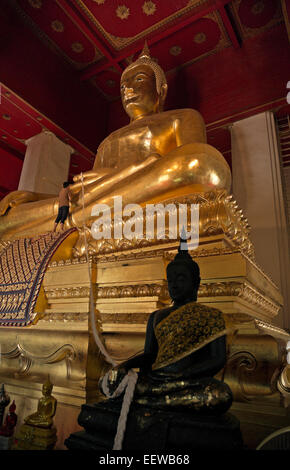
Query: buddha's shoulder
[
  {"x": 206, "y": 310},
  {"x": 158, "y": 315},
  {"x": 186, "y": 113}
]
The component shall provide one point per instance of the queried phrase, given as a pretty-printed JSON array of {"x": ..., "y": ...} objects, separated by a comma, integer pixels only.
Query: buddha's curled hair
[{"x": 145, "y": 58}]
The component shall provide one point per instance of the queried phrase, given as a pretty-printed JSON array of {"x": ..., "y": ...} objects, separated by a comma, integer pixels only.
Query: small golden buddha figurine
[
  {"x": 45, "y": 410},
  {"x": 158, "y": 155}
]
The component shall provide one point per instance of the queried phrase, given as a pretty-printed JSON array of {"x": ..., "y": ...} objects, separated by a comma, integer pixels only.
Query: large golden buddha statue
[{"x": 158, "y": 155}]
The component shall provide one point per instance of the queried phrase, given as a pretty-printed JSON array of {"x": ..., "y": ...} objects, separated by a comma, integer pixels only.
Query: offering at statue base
[{"x": 37, "y": 433}]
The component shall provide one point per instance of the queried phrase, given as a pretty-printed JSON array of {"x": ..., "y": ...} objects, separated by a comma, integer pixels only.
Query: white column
[
  {"x": 257, "y": 188},
  {"x": 46, "y": 164}
]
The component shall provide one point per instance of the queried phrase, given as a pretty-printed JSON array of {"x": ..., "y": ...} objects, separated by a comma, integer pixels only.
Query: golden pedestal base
[
  {"x": 129, "y": 282},
  {"x": 34, "y": 438}
]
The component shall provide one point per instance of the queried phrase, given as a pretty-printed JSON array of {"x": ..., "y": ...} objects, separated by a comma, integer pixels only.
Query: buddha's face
[
  {"x": 181, "y": 285},
  {"x": 46, "y": 390},
  {"x": 138, "y": 92}
]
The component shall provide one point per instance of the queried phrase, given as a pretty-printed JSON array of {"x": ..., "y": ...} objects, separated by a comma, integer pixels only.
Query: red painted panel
[
  {"x": 17, "y": 122},
  {"x": 240, "y": 79},
  {"x": 60, "y": 29},
  {"x": 127, "y": 18},
  {"x": 257, "y": 13},
  {"x": 109, "y": 82},
  {"x": 10, "y": 170},
  {"x": 49, "y": 85},
  {"x": 187, "y": 44}
]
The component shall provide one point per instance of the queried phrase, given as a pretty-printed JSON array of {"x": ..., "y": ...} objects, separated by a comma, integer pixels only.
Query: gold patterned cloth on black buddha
[
  {"x": 172, "y": 383},
  {"x": 186, "y": 330}
]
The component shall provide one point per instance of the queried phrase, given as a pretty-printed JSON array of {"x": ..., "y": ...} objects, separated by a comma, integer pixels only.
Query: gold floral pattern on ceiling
[
  {"x": 35, "y": 3},
  {"x": 77, "y": 47},
  {"x": 120, "y": 42},
  {"x": 199, "y": 38},
  {"x": 175, "y": 50},
  {"x": 258, "y": 7},
  {"x": 149, "y": 8},
  {"x": 57, "y": 26},
  {"x": 123, "y": 12}
]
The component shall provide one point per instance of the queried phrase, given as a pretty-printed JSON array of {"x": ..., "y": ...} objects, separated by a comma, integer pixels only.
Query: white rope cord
[{"x": 128, "y": 383}]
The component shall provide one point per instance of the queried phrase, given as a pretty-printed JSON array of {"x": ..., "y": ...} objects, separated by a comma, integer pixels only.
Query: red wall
[
  {"x": 10, "y": 170},
  {"x": 41, "y": 77}
]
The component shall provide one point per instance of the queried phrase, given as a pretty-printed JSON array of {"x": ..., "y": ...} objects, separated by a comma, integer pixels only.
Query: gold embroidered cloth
[
  {"x": 186, "y": 330},
  {"x": 22, "y": 267}
]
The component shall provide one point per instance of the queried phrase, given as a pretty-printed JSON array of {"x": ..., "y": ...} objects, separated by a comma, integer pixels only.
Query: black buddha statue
[
  {"x": 177, "y": 401},
  {"x": 185, "y": 347}
]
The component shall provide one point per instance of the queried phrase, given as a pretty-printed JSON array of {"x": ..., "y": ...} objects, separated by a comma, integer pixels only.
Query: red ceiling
[{"x": 63, "y": 60}]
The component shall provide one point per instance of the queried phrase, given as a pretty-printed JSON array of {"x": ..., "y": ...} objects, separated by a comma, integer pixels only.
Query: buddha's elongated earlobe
[{"x": 162, "y": 95}]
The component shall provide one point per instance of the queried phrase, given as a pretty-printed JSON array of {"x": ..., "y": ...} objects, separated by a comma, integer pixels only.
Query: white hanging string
[{"x": 128, "y": 383}]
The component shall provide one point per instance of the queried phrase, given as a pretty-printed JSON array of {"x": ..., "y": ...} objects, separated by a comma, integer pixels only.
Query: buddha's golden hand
[{"x": 82, "y": 176}]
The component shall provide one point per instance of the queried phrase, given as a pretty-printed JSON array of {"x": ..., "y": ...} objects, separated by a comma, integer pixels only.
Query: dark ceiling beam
[
  {"x": 90, "y": 71},
  {"x": 202, "y": 11},
  {"x": 286, "y": 17},
  {"x": 229, "y": 28},
  {"x": 66, "y": 5},
  {"x": 11, "y": 150}
]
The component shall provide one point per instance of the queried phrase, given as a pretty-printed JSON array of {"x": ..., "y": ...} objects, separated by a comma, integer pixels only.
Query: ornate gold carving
[
  {"x": 68, "y": 262},
  {"x": 268, "y": 329},
  {"x": 214, "y": 289},
  {"x": 65, "y": 317},
  {"x": 248, "y": 373},
  {"x": 137, "y": 318},
  {"x": 283, "y": 372},
  {"x": 241, "y": 290},
  {"x": 141, "y": 290},
  {"x": 66, "y": 292},
  {"x": 26, "y": 358},
  {"x": 283, "y": 385},
  {"x": 218, "y": 214}
]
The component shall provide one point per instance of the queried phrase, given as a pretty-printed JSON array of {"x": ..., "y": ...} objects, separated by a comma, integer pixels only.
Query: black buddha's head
[
  {"x": 183, "y": 276},
  {"x": 143, "y": 87}
]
